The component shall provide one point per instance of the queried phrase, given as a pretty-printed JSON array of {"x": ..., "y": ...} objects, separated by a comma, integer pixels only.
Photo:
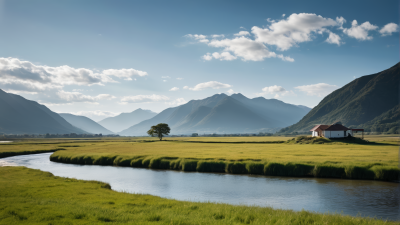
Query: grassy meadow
[
  {"x": 30, "y": 196},
  {"x": 369, "y": 160}
]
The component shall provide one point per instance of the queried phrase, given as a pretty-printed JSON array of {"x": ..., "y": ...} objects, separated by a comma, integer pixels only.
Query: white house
[{"x": 333, "y": 131}]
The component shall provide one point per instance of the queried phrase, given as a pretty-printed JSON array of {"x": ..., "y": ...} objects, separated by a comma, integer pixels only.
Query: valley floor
[
  {"x": 377, "y": 159},
  {"x": 30, "y": 196}
]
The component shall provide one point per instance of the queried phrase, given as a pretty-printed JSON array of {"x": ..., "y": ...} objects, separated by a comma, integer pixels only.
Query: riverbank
[
  {"x": 32, "y": 196},
  {"x": 372, "y": 161}
]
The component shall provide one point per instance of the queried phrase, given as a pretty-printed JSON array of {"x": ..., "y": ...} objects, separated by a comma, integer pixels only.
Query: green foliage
[
  {"x": 34, "y": 197},
  {"x": 159, "y": 130}
]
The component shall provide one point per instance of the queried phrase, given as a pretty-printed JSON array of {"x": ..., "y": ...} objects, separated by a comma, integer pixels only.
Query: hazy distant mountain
[
  {"x": 223, "y": 114},
  {"x": 21, "y": 116},
  {"x": 85, "y": 124},
  {"x": 370, "y": 102},
  {"x": 126, "y": 120}
]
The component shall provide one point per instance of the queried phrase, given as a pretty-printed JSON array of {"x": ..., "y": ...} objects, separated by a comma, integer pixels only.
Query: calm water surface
[{"x": 352, "y": 197}]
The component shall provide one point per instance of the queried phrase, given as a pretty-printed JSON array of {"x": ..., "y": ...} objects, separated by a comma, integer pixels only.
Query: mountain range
[
  {"x": 85, "y": 124},
  {"x": 370, "y": 102},
  {"x": 224, "y": 114},
  {"x": 22, "y": 116},
  {"x": 126, "y": 120}
]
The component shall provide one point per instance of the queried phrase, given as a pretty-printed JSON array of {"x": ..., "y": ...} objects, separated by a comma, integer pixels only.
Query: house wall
[
  {"x": 314, "y": 133},
  {"x": 334, "y": 134}
]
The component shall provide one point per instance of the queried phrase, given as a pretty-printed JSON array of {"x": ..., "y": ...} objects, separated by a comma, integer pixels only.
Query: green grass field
[
  {"x": 30, "y": 196},
  {"x": 371, "y": 160},
  {"x": 377, "y": 159}
]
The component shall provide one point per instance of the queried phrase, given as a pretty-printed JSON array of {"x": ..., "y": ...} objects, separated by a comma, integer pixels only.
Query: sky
[{"x": 101, "y": 58}]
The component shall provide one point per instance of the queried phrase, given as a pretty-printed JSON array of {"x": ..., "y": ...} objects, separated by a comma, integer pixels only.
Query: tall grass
[
  {"x": 326, "y": 170},
  {"x": 35, "y": 197}
]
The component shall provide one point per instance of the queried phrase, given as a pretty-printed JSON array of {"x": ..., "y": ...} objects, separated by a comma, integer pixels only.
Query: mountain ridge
[
  {"x": 357, "y": 103},
  {"x": 218, "y": 113}
]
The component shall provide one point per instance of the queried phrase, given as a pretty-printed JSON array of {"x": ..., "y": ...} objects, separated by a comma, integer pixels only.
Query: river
[{"x": 351, "y": 197}]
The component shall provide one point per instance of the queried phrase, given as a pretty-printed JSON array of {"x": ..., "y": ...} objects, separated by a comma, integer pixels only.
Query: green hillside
[{"x": 370, "y": 102}]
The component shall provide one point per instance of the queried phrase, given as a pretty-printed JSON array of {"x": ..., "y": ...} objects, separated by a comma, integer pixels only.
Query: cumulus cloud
[
  {"x": 230, "y": 91},
  {"x": 24, "y": 76},
  {"x": 360, "y": 32},
  {"x": 282, "y": 34},
  {"x": 174, "y": 89},
  {"x": 143, "y": 98},
  {"x": 208, "y": 85},
  {"x": 221, "y": 56},
  {"x": 242, "y": 33},
  {"x": 297, "y": 28},
  {"x": 199, "y": 37},
  {"x": 319, "y": 90},
  {"x": 275, "y": 90},
  {"x": 333, "y": 39},
  {"x": 217, "y": 36},
  {"x": 96, "y": 115},
  {"x": 179, "y": 78},
  {"x": 243, "y": 47},
  {"x": 65, "y": 97},
  {"x": 388, "y": 29},
  {"x": 125, "y": 74},
  {"x": 176, "y": 102}
]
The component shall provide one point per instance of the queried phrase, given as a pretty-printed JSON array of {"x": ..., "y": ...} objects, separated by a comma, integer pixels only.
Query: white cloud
[
  {"x": 242, "y": 33},
  {"x": 245, "y": 48},
  {"x": 199, "y": 37},
  {"x": 360, "y": 32},
  {"x": 143, "y": 98},
  {"x": 389, "y": 28},
  {"x": 221, "y": 56},
  {"x": 273, "y": 89},
  {"x": 230, "y": 91},
  {"x": 63, "y": 97},
  {"x": 166, "y": 77},
  {"x": 283, "y": 15},
  {"x": 176, "y": 102},
  {"x": 207, "y": 57},
  {"x": 277, "y": 91},
  {"x": 179, "y": 78},
  {"x": 333, "y": 38},
  {"x": 48, "y": 82},
  {"x": 208, "y": 85},
  {"x": 125, "y": 74},
  {"x": 174, "y": 89},
  {"x": 242, "y": 28},
  {"x": 95, "y": 113},
  {"x": 217, "y": 36},
  {"x": 319, "y": 90},
  {"x": 295, "y": 29}
]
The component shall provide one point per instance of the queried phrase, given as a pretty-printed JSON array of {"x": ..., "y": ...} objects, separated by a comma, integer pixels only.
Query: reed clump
[{"x": 290, "y": 169}]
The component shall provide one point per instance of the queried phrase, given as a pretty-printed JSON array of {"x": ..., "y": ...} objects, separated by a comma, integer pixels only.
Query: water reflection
[{"x": 352, "y": 197}]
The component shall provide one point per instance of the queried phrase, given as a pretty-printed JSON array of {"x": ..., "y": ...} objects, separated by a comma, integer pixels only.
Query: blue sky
[{"x": 99, "y": 58}]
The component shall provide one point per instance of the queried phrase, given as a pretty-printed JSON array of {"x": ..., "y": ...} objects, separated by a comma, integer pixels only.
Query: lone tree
[{"x": 159, "y": 130}]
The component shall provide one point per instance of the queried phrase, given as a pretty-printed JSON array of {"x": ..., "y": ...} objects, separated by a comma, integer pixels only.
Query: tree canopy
[{"x": 159, "y": 130}]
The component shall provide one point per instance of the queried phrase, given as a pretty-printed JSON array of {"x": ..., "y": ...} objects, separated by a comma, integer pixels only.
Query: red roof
[
  {"x": 321, "y": 127},
  {"x": 332, "y": 127}
]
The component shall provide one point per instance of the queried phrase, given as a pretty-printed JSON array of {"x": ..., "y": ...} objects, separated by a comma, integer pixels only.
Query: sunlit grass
[{"x": 30, "y": 196}]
